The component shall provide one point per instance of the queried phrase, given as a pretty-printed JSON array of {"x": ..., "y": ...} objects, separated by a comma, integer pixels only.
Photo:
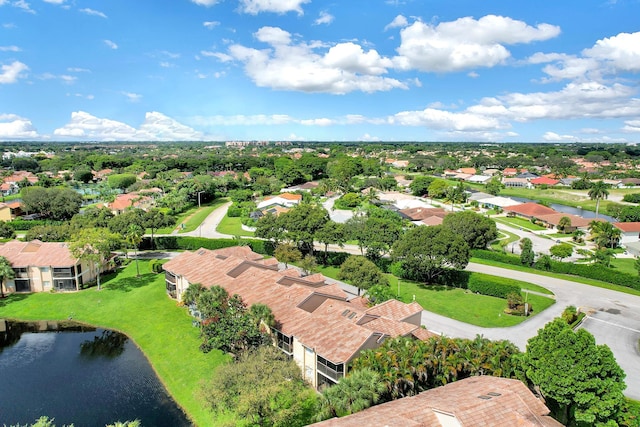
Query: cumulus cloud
[
  {"x": 291, "y": 65},
  {"x": 398, "y": 22},
  {"x": 10, "y": 73},
  {"x": 156, "y": 127},
  {"x": 14, "y": 127},
  {"x": 325, "y": 18},
  {"x": 93, "y": 12},
  {"x": 445, "y": 120},
  {"x": 22, "y": 4},
  {"x": 631, "y": 126},
  {"x": 622, "y": 51},
  {"x": 554, "y": 137},
  {"x": 254, "y": 7},
  {"x": 465, "y": 43},
  {"x": 110, "y": 44}
]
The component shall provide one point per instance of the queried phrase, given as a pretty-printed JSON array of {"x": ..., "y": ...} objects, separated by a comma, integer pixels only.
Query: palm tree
[
  {"x": 133, "y": 237},
  {"x": 598, "y": 191},
  {"x": 6, "y": 272}
]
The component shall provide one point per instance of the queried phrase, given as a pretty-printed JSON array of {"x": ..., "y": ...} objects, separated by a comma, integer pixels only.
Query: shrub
[
  {"x": 492, "y": 287},
  {"x": 632, "y": 198}
]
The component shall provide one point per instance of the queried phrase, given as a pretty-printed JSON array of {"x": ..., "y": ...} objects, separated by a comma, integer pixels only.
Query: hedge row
[
  {"x": 23, "y": 225},
  {"x": 596, "y": 272},
  {"x": 192, "y": 243},
  {"x": 492, "y": 287}
]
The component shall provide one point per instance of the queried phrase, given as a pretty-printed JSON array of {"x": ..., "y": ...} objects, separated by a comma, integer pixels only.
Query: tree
[
  {"x": 54, "y": 203},
  {"x": 83, "y": 174},
  {"x": 561, "y": 250},
  {"x": 420, "y": 185},
  {"x": 477, "y": 230},
  {"x": 155, "y": 219},
  {"x": 192, "y": 293},
  {"x": 494, "y": 186},
  {"x": 308, "y": 264},
  {"x": 263, "y": 387},
  {"x": 427, "y": 252},
  {"x": 133, "y": 237},
  {"x": 580, "y": 380},
  {"x": 456, "y": 194},
  {"x": 438, "y": 189},
  {"x": 6, "y": 273},
  {"x": 357, "y": 391},
  {"x": 543, "y": 262},
  {"x": 6, "y": 231},
  {"x": 268, "y": 227},
  {"x": 331, "y": 233},
  {"x": 287, "y": 254},
  {"x": 598, "y": 191},
  {"x": 604, "y": 234},
  {"x": 526, "y": 252},
  {"x": 636, "y": 265},
  {"x": 93, "y": 245},
  {"x": 121, "y": 181},
  {"x": 301, "y": 224},
  {"x": 564, "y": 224},
  {"x": 361, "y": 273}
]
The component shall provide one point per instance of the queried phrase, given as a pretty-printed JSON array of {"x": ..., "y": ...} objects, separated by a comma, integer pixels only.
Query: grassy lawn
[
  {"x": 502, "y": 235},
  {"x": 195, "y": 219},
  {"x": 232, "y": 227},
  {"x": 576, "y": 279},
  {"x": 625, "y": 265},
  {"x": 520, "y": 223},
  {"x": 563, "y": 197},
  {"x": 140, "y": 308},
  {"x": 460, "y": 304}
]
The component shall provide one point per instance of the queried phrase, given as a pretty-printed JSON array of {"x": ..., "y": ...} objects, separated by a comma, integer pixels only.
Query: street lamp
[{"x": 199, "y": 193}]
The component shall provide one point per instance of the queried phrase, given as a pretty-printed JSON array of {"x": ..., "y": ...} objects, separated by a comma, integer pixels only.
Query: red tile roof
[
  {"x": 530, "y": 209},
  {"x": 37, "y": 253},
  {"x": 473, "y": 402},
  {"x": 318, "y": 315},
  {"x": 627, "y": 227},
  {"x": 543, "y": 180},
  {"x": 420, "y": 213},
  {"x": 554, "y": 219}
]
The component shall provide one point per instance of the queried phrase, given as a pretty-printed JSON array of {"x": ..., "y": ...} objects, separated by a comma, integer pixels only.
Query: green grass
[
  {"x": 520, "y": 223},
  {"x": 562, "y": 197},
  {"x": 625, "y": 265},
  {"x": 460, "y": 304},
  {"x": 559, "y": 235},
  {"x": 140, "y": 308},
  {"x": 502, "y": 235},
  {"x": 195, "y": 219},
  {"x": 233, "y": 227},
  {"x": 577, "y": 279}
]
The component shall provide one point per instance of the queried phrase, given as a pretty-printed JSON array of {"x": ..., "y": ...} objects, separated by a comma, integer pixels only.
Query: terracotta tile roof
[
  {"x": 470, "y": 171},
  {"x": 305, "y": 307},
  {"x": 423, "y": 334},
  {"x": 627, "y": 227},
  {"x": 37, "y": 253},
  {"x": 472, "y": 402},
  {"x": 420, "y": 213},
  {"x": 543, "y": 180},
  {"x": 530, "y": 209},
  {"x": 288, "y": 196},
  {"x": 554, "y": 219},
  {"x": 433, "y": 220}
]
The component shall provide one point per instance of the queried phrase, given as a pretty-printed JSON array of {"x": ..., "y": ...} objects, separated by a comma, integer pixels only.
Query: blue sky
[{"x": 369, "y": 70}]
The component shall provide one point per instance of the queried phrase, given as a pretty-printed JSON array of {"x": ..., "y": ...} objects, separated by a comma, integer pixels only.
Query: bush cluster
[
  {"x": 632, "y": 198},
  {"x": 493, "y": 287},
  {"x": 24, "y": 225},
  {"x": 189, "y": 243}
]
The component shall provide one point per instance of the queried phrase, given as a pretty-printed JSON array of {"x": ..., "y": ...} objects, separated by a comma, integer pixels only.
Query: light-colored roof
[
  {"x": 482, "y": 401},
  {"x": 627, "y": 227},
  {"x": 420, "y": 213},
  {"x": 287, "y": 196},
  {"x": 317, "y": 314},
  {"x": 502, "y": 202},
  {"x": 37, "y": 253}
]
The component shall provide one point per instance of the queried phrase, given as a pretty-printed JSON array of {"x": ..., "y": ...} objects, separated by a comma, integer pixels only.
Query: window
[
  {"x": 330, "y": 369},
  {"x": 284, "y": 342},
  {"x": 23, "y": 285}
]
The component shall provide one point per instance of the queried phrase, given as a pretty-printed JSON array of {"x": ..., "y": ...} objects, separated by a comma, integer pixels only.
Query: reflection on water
[{"x": 78, "y": 374}]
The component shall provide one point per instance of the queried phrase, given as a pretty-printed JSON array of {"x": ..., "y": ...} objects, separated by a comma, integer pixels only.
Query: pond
[
  {"x": 78, "y": 374},
  {"x": 570, "y": 209}
]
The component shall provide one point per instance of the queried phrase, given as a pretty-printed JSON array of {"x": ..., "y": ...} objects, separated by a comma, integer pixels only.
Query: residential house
[
  {"x": 543, "y": 180},
  {"x": 10, "y": 211},
  {"x": 498, "y": 202},
  {"x": 630, "y": 232},
  {"x": 283, "y": 199},
  {"x": 424, "y": 216},
  {"x": 9, "y": 188},
  {"x": 45, "y": 266},
  {"x": 553, "y": 220},
  {"x": 471, "y": 402},
  {"x": 130, "y": 200},
  {"x": 479, "y": 179},
  {"x": 516, "y": 182},
  {"x": 529, "y": 210},
  {"x": 317, "y": 325},
  {"x": 307, "y": 186}
]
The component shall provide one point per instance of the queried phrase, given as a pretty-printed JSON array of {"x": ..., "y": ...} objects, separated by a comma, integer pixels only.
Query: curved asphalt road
[{"x": 613, "y": 317}]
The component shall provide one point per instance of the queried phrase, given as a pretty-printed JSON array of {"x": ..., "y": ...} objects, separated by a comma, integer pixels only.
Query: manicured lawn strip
[
  {"x": 561, "y": 197},
  {"x": 502, "y": 235},
  {"x": 519, "y": 222},
  {"x": 200, "y": 215},
  {"x": 583, "y": 280},
  {"x": 460, "y": 304},
  {"x": 625, "y": 265},
  {"x": 140, "y": 308},
  {"x": 233, "y": 227}
]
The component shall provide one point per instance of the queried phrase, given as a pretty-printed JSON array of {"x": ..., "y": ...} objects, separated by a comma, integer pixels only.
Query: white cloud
[
  {"x": 317, "y": 122},
  {"x": 10, "y": 49},
  {"x": 465, "y": 43},
  {"x": 367, "y": 137},
  {"x": 211, "y": 24},
  {"x": 78, "y": 70},
  {"x": 9, "y": 25},
  {"x": 63, "y": 77},
  {"x": 22, "y": 4},
  {"x": 289, "y": 65},
  {"x": 206, "y": 3},
  {"x": 445, "y": 120},
  {"x": 325, "y": 18},
  {"x": 15, "y": 127},
  {"x": 631, "y": 126},
  {"x": 156, "y": 127},
  {"x": 254, "y": 7},
  {"x": 55, "y": 1},
  {"x": 12, "y": 72},
  {"x": 552, "y": 136},
  {"x": 622, "y": 51},
  {"x": 93, "y": 12},
  {"x": 398, "y": 22},
  {"x": 132, "y": 97},
  {"x": 110, "y": 44}
]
